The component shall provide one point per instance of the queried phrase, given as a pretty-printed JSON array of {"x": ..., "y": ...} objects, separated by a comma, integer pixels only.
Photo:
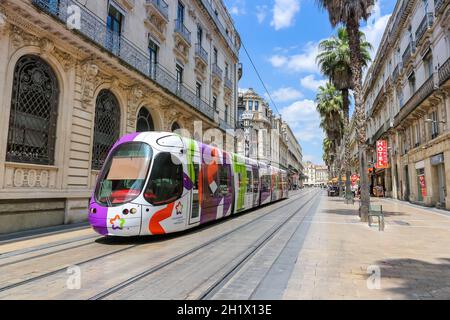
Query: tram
[{"x": 155, "y": 183}]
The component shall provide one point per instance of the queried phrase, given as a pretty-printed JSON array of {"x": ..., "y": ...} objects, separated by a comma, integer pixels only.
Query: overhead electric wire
[{"x": 260, "y": 78}]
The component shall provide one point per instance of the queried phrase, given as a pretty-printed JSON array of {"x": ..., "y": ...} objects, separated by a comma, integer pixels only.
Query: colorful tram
[{"x": 156, "y": 183}]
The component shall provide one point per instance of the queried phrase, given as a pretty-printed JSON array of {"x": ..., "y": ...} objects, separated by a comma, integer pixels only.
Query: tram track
[
  {"x": 253, "y": 250},
  {"x": 145, "y": 273},
  {"x": 132, "y": 280}
]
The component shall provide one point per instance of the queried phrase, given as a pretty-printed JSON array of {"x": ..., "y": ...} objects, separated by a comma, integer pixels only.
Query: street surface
[{"x": 309, "y": 246}]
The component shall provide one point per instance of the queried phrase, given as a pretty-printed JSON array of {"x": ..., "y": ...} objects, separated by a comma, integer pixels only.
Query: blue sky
[{"x": 281, "y": 37}]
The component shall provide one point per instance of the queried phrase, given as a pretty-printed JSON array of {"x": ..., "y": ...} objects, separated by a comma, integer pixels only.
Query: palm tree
[
  {"x": 350, "y": 13},
  {"x": 329, "y": 106},
  {"x": 334, "y": 62}
]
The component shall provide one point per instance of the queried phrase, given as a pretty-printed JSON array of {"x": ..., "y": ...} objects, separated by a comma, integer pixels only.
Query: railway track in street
[
  {"x": 251, "y": 251},
  {"x": 142, "y": 275}
]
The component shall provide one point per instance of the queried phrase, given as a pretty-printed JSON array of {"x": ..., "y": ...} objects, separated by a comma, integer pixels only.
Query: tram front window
[
  {"x": 166, "y": 180},
  {"x": 124, "y": 174}
]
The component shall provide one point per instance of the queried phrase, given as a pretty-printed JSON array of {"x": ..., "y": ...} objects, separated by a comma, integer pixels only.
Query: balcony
[
  {"x": 377, "y": 101},
  {"x": 444, "y": 72},
  {"x": 438, "y": 5},
  {"x": 217, "y": 71},
  {"x": 228, "y": 84},
  {"x": 181, "y": 29},
  {"x": 159, "y": 7},
  {"x": 234, "y": 47},
  {"x": 396, "y": 73},
  {"x": 201, "y": 53},
  {"x": 94, "y": 29},
  {"x": 409, "y": 51},
  {"x": 427, "y": 23},
  {"x": 416, "y": 100}
]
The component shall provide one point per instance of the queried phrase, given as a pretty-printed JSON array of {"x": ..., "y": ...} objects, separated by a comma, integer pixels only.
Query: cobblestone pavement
[{"x": 340, "y": 253}]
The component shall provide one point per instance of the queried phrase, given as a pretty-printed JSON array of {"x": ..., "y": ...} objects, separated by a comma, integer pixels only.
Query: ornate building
[
  {"x": 407, "y": 103},
  {"x": 316, "y": 175},
  {"x": 269, "y": 138},
  {"x": 76, "y": 75}
]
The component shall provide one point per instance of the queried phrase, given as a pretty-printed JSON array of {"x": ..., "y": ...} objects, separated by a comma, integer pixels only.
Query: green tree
[
  {"x": 335, "y": 63},
  {"x": 329, "y": 107},
  {"x": 350, "y": 13}
]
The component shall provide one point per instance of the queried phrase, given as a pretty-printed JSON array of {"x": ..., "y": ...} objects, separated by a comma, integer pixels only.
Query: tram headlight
[
  {"x": 93, "y": 210},
  {"x": 125, "y": 211},
  {"x": 133, "y": 211}
]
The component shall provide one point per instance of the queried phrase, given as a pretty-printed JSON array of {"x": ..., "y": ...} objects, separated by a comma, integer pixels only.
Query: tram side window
[
  {"x": 265, "y": 183},
  {"x": 249, "y": 181},
  {"x": 166, "y": 181},
  {"x": 255, "y": 179},
  {"x": 196, "y": 170},
  {"x": 223, "y": 179}
]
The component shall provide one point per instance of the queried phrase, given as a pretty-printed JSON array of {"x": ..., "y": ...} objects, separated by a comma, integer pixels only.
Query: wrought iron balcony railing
[
  {"x": 396, "y": 73},
  {"x": 416, "y": 99},
  {"x": 410, "y": 49},
  {"x": 161, "y": 6},
  {"x": 427, "y": 22},
  {"x": 217, "y": 71},
  {"x": 95, "y": 29},
  {"x": 181, "y": 29},
  {"x": 222, "y": 29},
  {"x": 200, "y": 52},
  {"x": 438, "y": 5},
  {"x": 228, "y": 83},
  {"x": 444, "y": 72}
]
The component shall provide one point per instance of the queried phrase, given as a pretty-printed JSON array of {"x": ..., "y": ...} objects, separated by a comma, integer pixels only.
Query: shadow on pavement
[
  {"x": 352, "y": 212},
  {"x": 419, "y": 279}
]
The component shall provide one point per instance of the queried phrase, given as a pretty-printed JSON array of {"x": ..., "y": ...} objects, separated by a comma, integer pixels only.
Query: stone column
[{"x": 447, "y": 178}]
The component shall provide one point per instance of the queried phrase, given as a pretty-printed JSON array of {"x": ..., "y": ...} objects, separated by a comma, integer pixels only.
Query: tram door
[{"x": 194, "y": 216}]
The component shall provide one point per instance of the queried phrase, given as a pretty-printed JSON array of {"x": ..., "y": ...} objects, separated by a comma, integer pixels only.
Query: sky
[{"x": 281, "y": 37}]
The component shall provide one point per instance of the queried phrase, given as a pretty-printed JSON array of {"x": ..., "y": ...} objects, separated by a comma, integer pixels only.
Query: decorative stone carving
[
  {"x": 66, "y": 59},
  {"x": 135, "y": 95},
  {"x": 4, "y": 25},
  {"x": 47, "y": 46},
  {"x": 20, "y": 38},
  {"x": 19, "y": 176},
  {"x": 181, "y": 48},
  {"x": 88, "y": 84}
]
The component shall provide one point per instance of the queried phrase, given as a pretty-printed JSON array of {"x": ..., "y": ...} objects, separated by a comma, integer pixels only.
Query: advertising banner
[{"x": 382, "y": 155}]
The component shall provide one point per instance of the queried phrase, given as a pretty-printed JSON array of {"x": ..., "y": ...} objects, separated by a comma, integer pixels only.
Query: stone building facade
[
  {"x": 408, "y": 103},
  {"x": 316, "y": 175},
  {"x": 76, "y": 75},
  {"x": 270, "y": 140}
]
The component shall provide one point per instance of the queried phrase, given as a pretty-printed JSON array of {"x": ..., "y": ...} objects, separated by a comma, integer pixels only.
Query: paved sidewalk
[{"x": 412, "y": 254}]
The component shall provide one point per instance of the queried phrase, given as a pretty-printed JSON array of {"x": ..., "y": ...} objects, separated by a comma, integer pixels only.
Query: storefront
[
  {"x": 421, "y": 181},
  {"x": 438, "y": 169}
]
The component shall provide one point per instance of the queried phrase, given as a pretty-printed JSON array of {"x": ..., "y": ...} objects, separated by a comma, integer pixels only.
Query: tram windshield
[{"x": 124, "y": 174}]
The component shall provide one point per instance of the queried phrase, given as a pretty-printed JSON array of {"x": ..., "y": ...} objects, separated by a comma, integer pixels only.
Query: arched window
[
  {"x": 144, "y": 121},
  {"x": 107, "y": 127},
  {"x": 34, "y": 111},
  {"x": 175, "y": 126}
]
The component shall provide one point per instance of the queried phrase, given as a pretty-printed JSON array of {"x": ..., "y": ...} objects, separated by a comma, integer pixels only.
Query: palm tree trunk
[
  {"x": 346, "y": 109},
  {"x": 356, "y": 67}
]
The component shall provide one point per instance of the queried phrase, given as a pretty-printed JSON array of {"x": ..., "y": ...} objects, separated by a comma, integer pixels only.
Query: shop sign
[
  {"x": 382, "y": 155},
  {"x": 423, "y": 185},
  {"x": 437, "y": 159}
]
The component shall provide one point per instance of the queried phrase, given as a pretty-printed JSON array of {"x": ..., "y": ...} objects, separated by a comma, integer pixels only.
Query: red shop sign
[
  {"x": 423, "y": 186},
  {"x": 382, "y": 155}
]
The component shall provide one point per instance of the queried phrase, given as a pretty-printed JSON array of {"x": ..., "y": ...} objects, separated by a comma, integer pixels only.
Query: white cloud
[
  {"x": 310, "y": 82},
  {"x": 261, "y": 13},
  {"x": 237, "y": 8},
  {"x": 375, "y": 27},
  {"x": 302, "y": 62},
  {"x": 286, "y": 94},
  {"x": 278, "y": 61},
  {"x": 284, "y": 12},
  {"x": 304, "y": 120}
]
